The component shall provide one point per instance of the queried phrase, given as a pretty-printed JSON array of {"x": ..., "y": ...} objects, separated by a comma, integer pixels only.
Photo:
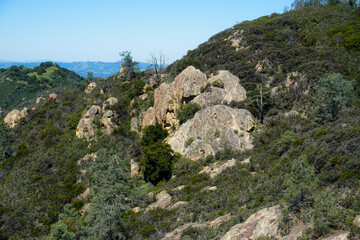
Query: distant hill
[
  {"x": 20, "y": 84},
  {"x": 100, "y": 69}
]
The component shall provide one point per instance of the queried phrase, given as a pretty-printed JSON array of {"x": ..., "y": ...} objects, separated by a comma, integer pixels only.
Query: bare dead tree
[{"x": 157, "y": 64}]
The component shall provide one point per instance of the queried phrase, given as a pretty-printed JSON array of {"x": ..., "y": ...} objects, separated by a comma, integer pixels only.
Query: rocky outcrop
[
  {"x": 211, "y": 130},
  {"x": 177, "y": 233},
  {"x": 107, "y": 124},
  {"x": 86, "y": 128},
  {"x": 134, "y": 168},
  {"x": 90, "y": 87},
  {"x": 262, "y": 223},
  {"x": 109, "y": 102},
  {"x": 213, "y": 170},
  {"x": 168, "y": 97},
  {"x": 163, "y": 200},
  {"x": 15, "y": 116},
  {"x": 225, "y": 87}
]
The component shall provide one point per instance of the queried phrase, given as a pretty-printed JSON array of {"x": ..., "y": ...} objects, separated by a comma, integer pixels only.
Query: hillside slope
[{"x": 265, "y": 114}]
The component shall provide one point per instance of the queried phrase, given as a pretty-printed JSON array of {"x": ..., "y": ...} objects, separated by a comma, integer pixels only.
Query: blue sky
[{"x": 97, "y": 30}]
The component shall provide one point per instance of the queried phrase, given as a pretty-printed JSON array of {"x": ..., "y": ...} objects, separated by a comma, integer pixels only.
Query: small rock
[
  {"x": 179, "y": 188},
  {"x": 135, "y": 168},
  {"x": 136, "y": 209},
  {"x": 90, "y": 87},
  {"x": 163, "y": 200},
  {"x": 52, "y": 97},
  {"x": 39, "y": 99},
  {"x": 178, "y": 204},
  {"x": 84, "y": 195},
  {"x": 208, "y": 188},
  {"x": 213, "y": 170}
]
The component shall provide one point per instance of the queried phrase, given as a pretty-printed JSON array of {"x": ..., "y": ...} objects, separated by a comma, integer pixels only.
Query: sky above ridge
[{"x": 97, "y": 30}]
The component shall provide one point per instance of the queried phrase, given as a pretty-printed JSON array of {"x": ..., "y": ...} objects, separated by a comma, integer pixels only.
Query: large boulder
[
  {"x": 262, "y": 223},
  {"x": 225, "y": 87},
  {"x": 211, "y": 130},
  {"x": 15, "y": 116},
  {"x": 86, "y": 128},
  {"x": 168, "y": 97}
]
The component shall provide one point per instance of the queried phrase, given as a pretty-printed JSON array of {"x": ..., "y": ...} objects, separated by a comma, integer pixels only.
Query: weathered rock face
[
  {"x": 148, "y": 118},
  {"x": 231, "y": 91},
  {"x": 168, "y": 97},
  {"x": 211, "y": 130},
  {"x": 90, "y": 87},
  {"x": 85, "y": 128},
  {"x": 262, "y": 223},
  {"x": 14, "y": 117},
  {"x": 163, "y": 200}
]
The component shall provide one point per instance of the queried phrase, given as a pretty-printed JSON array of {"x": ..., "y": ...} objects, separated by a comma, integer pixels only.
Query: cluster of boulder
[
  {"x": 87, "y": 128},
  {"x": 214, "y": 126}
]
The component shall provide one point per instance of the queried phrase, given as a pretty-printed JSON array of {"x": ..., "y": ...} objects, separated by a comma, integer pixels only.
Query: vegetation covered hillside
[
  {"x": 86, "y": 166},
  {"x": 21, "y": 84}
]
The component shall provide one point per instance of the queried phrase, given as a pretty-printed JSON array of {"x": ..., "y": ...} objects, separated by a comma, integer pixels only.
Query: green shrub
[
  {"x": 187, "y": 111},
  {"x": 157, "y": 162},
  {"x": 153, "y": 134}
]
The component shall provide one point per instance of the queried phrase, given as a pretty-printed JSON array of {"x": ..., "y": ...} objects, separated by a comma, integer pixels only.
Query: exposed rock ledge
[
  {"x": 262, "y": 223},
  {"x": 211, "y": 130}
]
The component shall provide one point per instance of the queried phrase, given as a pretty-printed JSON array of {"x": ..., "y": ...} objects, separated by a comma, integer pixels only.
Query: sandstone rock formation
[
  {"x": 213, "y": 170},
  {"x": 86, "y": 128},
  {"x": 211, "y": 130},
  {"x": 163, "y": 199},
  {"x": 262, "y": 223},
  {"x": 90, "y": 87},
  {"x": 168, "y": 97},
  {"x": 231, "y": 90},
  {"x": 15, "y": 116}
]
